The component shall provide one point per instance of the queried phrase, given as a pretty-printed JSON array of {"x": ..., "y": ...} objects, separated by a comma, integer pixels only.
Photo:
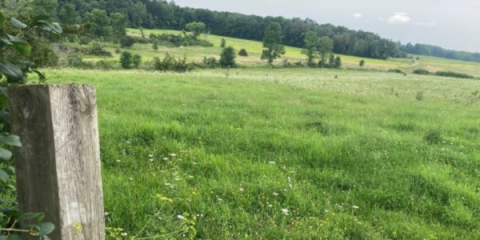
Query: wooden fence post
[{"x": 58, "y": 167}]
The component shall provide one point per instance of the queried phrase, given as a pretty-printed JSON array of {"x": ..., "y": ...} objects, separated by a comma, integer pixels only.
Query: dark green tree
[
  {"x": 311, "y": 44},
  {"x": 127, "y": 41},
  {"x": 338, "y": 62},
  {"x": 155, "y": 45},
  {"x": 227, "y": 58},
  {"x": 272, "y": 43},
  {"x": 196, "y": 28},
  {"x": 325, "y": 46},
  {"x": 126, "y": 60},
  {"x": 361, "y": 63},
  {"x": 223, "y": 43},
  {"x": 137, "y": 60}
]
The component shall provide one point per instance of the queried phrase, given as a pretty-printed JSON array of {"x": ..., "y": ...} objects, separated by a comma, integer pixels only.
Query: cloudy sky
[{"x": 446, "y": 23}]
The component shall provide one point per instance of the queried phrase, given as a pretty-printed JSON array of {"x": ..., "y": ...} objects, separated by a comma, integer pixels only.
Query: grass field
[
  {"x": 254, "y": 48},
  {"x": 287, "y": 154}
]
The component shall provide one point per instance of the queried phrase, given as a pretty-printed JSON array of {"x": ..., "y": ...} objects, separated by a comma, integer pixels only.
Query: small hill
[{"x": 293, "y": 55}]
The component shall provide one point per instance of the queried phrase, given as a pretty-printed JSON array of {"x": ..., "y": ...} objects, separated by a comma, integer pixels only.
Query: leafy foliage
[
  {"x": 169, "y": 63},
  {"x": 126, "y": 60},
  {"x": 196, "y": 28},
  {"x": 243, "y": 52},
  {"x": 272, "y": 43},
  {"x": 16, "y": 43},
  {"x": 227, "y": 58},
  {"x": 127, "y": 41}
]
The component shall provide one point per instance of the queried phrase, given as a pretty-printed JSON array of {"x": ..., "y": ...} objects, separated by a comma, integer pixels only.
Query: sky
[{"x": 446, "y": 23}]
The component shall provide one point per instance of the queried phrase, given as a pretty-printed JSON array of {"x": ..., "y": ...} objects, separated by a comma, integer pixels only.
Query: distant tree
[
  {"x": 196, "y": 28},
  {"x": 100, "y": 24},
  {"x": 361, "y": 63},
  {"x": 223, "y": 43},
  {"x": 311, "y": 45},
  {"x": 67, "y": 14},
  {"x": 136, "y": 60},
  {"x": 119, "y": 23},
  {"x": 227, "y": 58},
  {"x": 272, "y": 43},
  {"x": 127, "y": 41},
  {"x": 243, "y": 52},
  {"x": 331, "y": 61},
  {"x": 126, "y": 60},
  {"x": 155, "y": 45},
  {"x": 338, "y": 62},
  {"x": 325, "y": 46}
]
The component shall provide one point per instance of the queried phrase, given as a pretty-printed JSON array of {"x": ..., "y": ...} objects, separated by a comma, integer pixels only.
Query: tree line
[
  {"x": 430, "y": 50},
  {"x": 109, "y": 18}
]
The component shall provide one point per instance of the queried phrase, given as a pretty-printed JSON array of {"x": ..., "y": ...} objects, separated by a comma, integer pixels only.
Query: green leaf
[
  {"x": 16, "y": 23},
  {"x": 41, "y": 17},
  {"x": 11, "y": 140},
  {"x": 14, "y": 237},
  {"x": 4, "y": 116},
  {"x": 30, "y": 216},
  {"x": 4, "y": 42},
  {"x": 2, "y": 20},
  {"x": 45, "y": 228},
  {"x": 50, "y": 27},
  {"x": 12, "y": 72},
  {"x": 4, "y": 91},
  {"x": 3, "y": 175},
  {"x": 5, "y": 154},
  {"x": 21, "y": 45}
]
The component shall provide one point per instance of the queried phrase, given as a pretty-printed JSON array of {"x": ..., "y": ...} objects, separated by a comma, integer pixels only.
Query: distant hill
[{"x": 109, "y": 18}]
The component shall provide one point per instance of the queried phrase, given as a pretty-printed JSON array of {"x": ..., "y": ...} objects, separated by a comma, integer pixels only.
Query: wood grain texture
[{"x": 58, "y": 167}]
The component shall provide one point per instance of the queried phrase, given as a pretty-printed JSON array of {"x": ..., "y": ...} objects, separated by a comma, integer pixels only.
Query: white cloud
[
  {"x": 426, "y": 24},
  {"x": 357, "y": 15},
  {"x": 381, "y": 19},
  {"x": 399, "y": 18}
]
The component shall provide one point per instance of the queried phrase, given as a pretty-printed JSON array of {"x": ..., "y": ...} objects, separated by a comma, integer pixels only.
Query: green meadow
[
  {"x": 254, "y": 49},
  {"x": 263, "y": 153}
]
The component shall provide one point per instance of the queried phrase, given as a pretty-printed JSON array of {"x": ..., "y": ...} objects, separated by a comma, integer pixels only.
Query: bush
[
  {"x": 361, "y": 63},
  {"x": 137, "y": 60},
  {"x": 396, "y": 71},
  {"x": 97, "y": 50},
  {"x": 243, "y": 52},
  {"x": 171, "y": 40},
  {"x": 223, "y": 43},
  {"x": 210, "y": 62},
  {"x": 126, "y": 60},
  {"x": 421, "y": 72},
  {"x": 169, "y": 63},
  {"x": 453, "y": 74},
  {"x": 84, "y": 40},
  {"x": 227, "y": 58},
  {"x": 127, "y": 41}
]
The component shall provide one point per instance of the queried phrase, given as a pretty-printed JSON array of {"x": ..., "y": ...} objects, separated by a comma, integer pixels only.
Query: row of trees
[
  {"x": 429, "y": 50},
  {"x": 108, "y": 19}
]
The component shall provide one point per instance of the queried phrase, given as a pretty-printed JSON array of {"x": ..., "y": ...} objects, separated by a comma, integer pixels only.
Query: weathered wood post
[{"x": 58, "y": 167}]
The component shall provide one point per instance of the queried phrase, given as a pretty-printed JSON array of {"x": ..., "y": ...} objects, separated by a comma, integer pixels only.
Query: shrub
[
  {"x": 453, "y": 74},
  {"x": 97, "y": 50},
  {"x": 127, "y": 41},
  {"x": 361, "y": 63},
  {"x": 84, "y": 40},
  {"x": 227, "y": 58},
  {"x": 243, "y": 52},
  {"x": 223, "y": 43},
  {"x": 210, "y": 62},
  {"x": 419, "y": 96},
  {"x": 396, "y": 71},
  {"x": 171, "y": 64},
  {"x": 137, "y": 60},
  {"x": 126, "y": 60},
  {"x": 421, "y": 72}
]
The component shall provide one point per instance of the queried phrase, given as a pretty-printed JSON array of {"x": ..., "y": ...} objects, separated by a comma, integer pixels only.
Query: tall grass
[{"x": 287, "y": 154}]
